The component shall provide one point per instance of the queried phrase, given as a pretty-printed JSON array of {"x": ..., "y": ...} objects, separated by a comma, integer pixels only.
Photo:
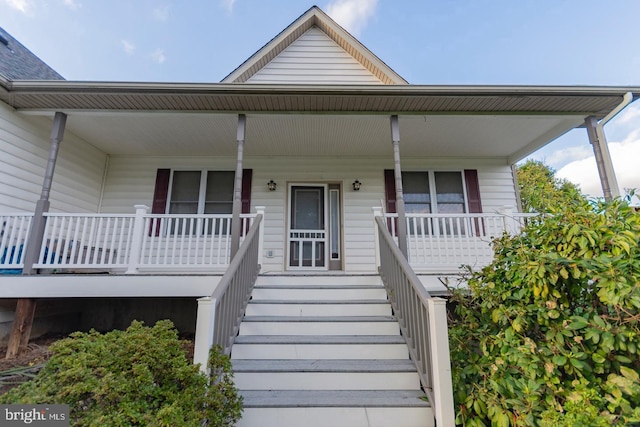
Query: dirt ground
[{"x": 14, "y": 372}]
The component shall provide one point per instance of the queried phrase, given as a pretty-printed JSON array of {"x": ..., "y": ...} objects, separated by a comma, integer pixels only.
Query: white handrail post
[
  {"x": 509, "y": 221},
  {"x": 377, "y": 211},
  {"x": 205, "y": 321},
  {"x": 260, "y": 211},
  {"x": 137, "y": 238},
  {"x": 441, "y": 363}
]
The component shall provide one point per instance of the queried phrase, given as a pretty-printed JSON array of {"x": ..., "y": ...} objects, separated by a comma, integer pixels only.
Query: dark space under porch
[{"x": 61, "y": 316}]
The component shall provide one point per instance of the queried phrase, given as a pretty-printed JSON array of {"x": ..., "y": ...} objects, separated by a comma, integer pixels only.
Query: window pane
[
  {"x": 415, "y": 186},
  {"x": 449, "y": 192},
  {"x": 185, "y": 192},
  {"x": 219, "y": 193}
]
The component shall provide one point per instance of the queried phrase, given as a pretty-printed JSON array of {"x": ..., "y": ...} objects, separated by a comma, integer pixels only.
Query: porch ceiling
[
  {"x": 165, "y": 134},
  {"x": 200, "y": 119}
]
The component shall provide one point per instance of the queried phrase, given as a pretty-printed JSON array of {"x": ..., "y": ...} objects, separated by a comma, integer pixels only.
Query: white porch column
[
  {"x": 603, "y": 158},
  {"x": 402, "y": 221},
  {"x": 441, "y": 363},
  {"x": 236, "y": 226}
]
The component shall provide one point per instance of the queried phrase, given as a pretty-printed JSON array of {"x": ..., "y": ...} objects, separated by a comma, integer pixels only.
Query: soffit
[{"x": 161, "y": 134}]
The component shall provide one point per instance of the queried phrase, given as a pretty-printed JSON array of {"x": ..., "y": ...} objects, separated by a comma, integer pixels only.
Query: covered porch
[{"x": 295, "y": 135}]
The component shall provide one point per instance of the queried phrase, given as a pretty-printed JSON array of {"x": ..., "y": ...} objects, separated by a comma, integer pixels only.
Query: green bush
[
  {"x": 137, "y": 377},
  {"x": 549, "y": 333}
]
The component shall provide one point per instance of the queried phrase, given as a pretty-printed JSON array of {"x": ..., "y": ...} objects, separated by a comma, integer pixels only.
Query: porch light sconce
[
  {"x": 271, "y": 185},
  {"x": 356, "y": 185}
]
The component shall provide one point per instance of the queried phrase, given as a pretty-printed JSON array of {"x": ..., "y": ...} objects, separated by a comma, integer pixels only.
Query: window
[
  {"x": 198, "y": 192},
  {"x": 437, "y": 192},
  {"x": 446, "y": 187}
]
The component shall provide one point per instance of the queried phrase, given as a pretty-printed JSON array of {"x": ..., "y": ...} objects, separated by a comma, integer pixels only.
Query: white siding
[
  {"x": 24, "y": 150},
  {"x": 314, "y": 58},
  {"x": 131, "y": 181}
]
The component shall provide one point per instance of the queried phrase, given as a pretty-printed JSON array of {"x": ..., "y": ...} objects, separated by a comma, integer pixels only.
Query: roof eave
[{"x": 375, "y": 99}]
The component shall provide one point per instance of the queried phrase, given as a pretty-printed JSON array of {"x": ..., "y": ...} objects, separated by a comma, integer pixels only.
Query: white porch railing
[
  {"x": 14, "y": 230},
  {"x": 118, "y": 242},
  {"x": 437, "y": 241}
]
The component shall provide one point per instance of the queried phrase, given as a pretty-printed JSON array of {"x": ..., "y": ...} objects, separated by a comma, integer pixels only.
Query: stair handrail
[
  {"x": 423, "y": 322},
  {"x": 219, "y": 315}
]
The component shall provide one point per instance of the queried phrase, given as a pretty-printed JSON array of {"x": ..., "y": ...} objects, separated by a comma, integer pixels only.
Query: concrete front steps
[{"x": 325, "y": 351}]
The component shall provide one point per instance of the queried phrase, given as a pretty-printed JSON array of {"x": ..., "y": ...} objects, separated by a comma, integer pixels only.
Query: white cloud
[
  {"x": 228, "y": 4},
  {"x": 353, "y": 15},
  {"x": 630, "y": 114},
  {"x": 24, "y": 6},
  {"x": 161, "y": 13},
  {"x": 158, "y": 56},
  {"x": 626, "y": 161},
  {"x": 128, "y": 47},
  {"x": 561, "y": 157},
  {"x": 72, "y": 4}
]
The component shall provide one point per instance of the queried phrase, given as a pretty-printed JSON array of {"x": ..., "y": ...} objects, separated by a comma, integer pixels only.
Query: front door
[{"x": 313, "y": 240}]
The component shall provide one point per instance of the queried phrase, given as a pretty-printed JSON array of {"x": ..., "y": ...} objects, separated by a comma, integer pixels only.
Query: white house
[{"x": 149, "y": 188}]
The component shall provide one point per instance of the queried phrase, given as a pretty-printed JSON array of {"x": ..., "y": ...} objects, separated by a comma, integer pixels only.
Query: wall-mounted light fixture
[
  {"x": 271, "y": 185},
  {"x": 356, "y": 185}
]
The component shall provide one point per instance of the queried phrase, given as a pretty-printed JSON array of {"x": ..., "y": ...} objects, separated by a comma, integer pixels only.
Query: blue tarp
[{"x": 11, "y": 256}]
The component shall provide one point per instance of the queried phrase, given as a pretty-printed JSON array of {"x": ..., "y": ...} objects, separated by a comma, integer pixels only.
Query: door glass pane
[
  {"x": 415, "y": 186},
  {"x": 219, "y": 193},
  {"x": 449, "y": 192},
  {"x": 334, "y": 223},
  {"x": 307, "y": 212},
  {"x": 185, "y": 192}
]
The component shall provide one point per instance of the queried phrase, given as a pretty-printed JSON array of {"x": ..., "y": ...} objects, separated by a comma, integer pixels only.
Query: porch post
[
  {"x": 36, "y": 233},
  {"x": 441, "y": 363},
  {"x": 260, "y": 211},
  {"x": 402, "y": 222},
  {"x": 236, "y": 226},
  {"x": 205, "y": 322},
  {"x": 26, "y": 307},
  {"x": 377, "y": 211},
  {"x": 607, "y": 174}
]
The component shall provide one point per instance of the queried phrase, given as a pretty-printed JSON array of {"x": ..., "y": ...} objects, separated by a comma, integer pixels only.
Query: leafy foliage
[
  {"x": 541, "y": 191},
  {"x": 137, "y": 377},
  {"x": 549, "y": 333}
]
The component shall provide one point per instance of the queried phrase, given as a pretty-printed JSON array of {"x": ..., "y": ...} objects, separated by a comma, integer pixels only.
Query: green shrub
[
  {"x": 137, "y": 377},
  {"x": 549, "y": 333}
]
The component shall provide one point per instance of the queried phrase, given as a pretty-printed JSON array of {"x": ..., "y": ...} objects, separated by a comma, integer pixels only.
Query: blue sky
[{"x": 458, "y": 42}]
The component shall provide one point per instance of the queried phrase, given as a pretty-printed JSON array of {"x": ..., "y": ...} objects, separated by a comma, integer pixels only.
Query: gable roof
[
  {"x": 314, "y": 17},
  {"x": 19, "y": 63}
]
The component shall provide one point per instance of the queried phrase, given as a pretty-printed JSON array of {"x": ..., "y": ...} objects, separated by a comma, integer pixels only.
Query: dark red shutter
[
  {"x": 473, "y": 197},
  {"x": 390, "y": 190},
  {"x": 473, "y": 190},
  {"x": 160, "y": 196},
  {"x": 390, "y": 195},
  {"x": 246, "y": 190}
]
